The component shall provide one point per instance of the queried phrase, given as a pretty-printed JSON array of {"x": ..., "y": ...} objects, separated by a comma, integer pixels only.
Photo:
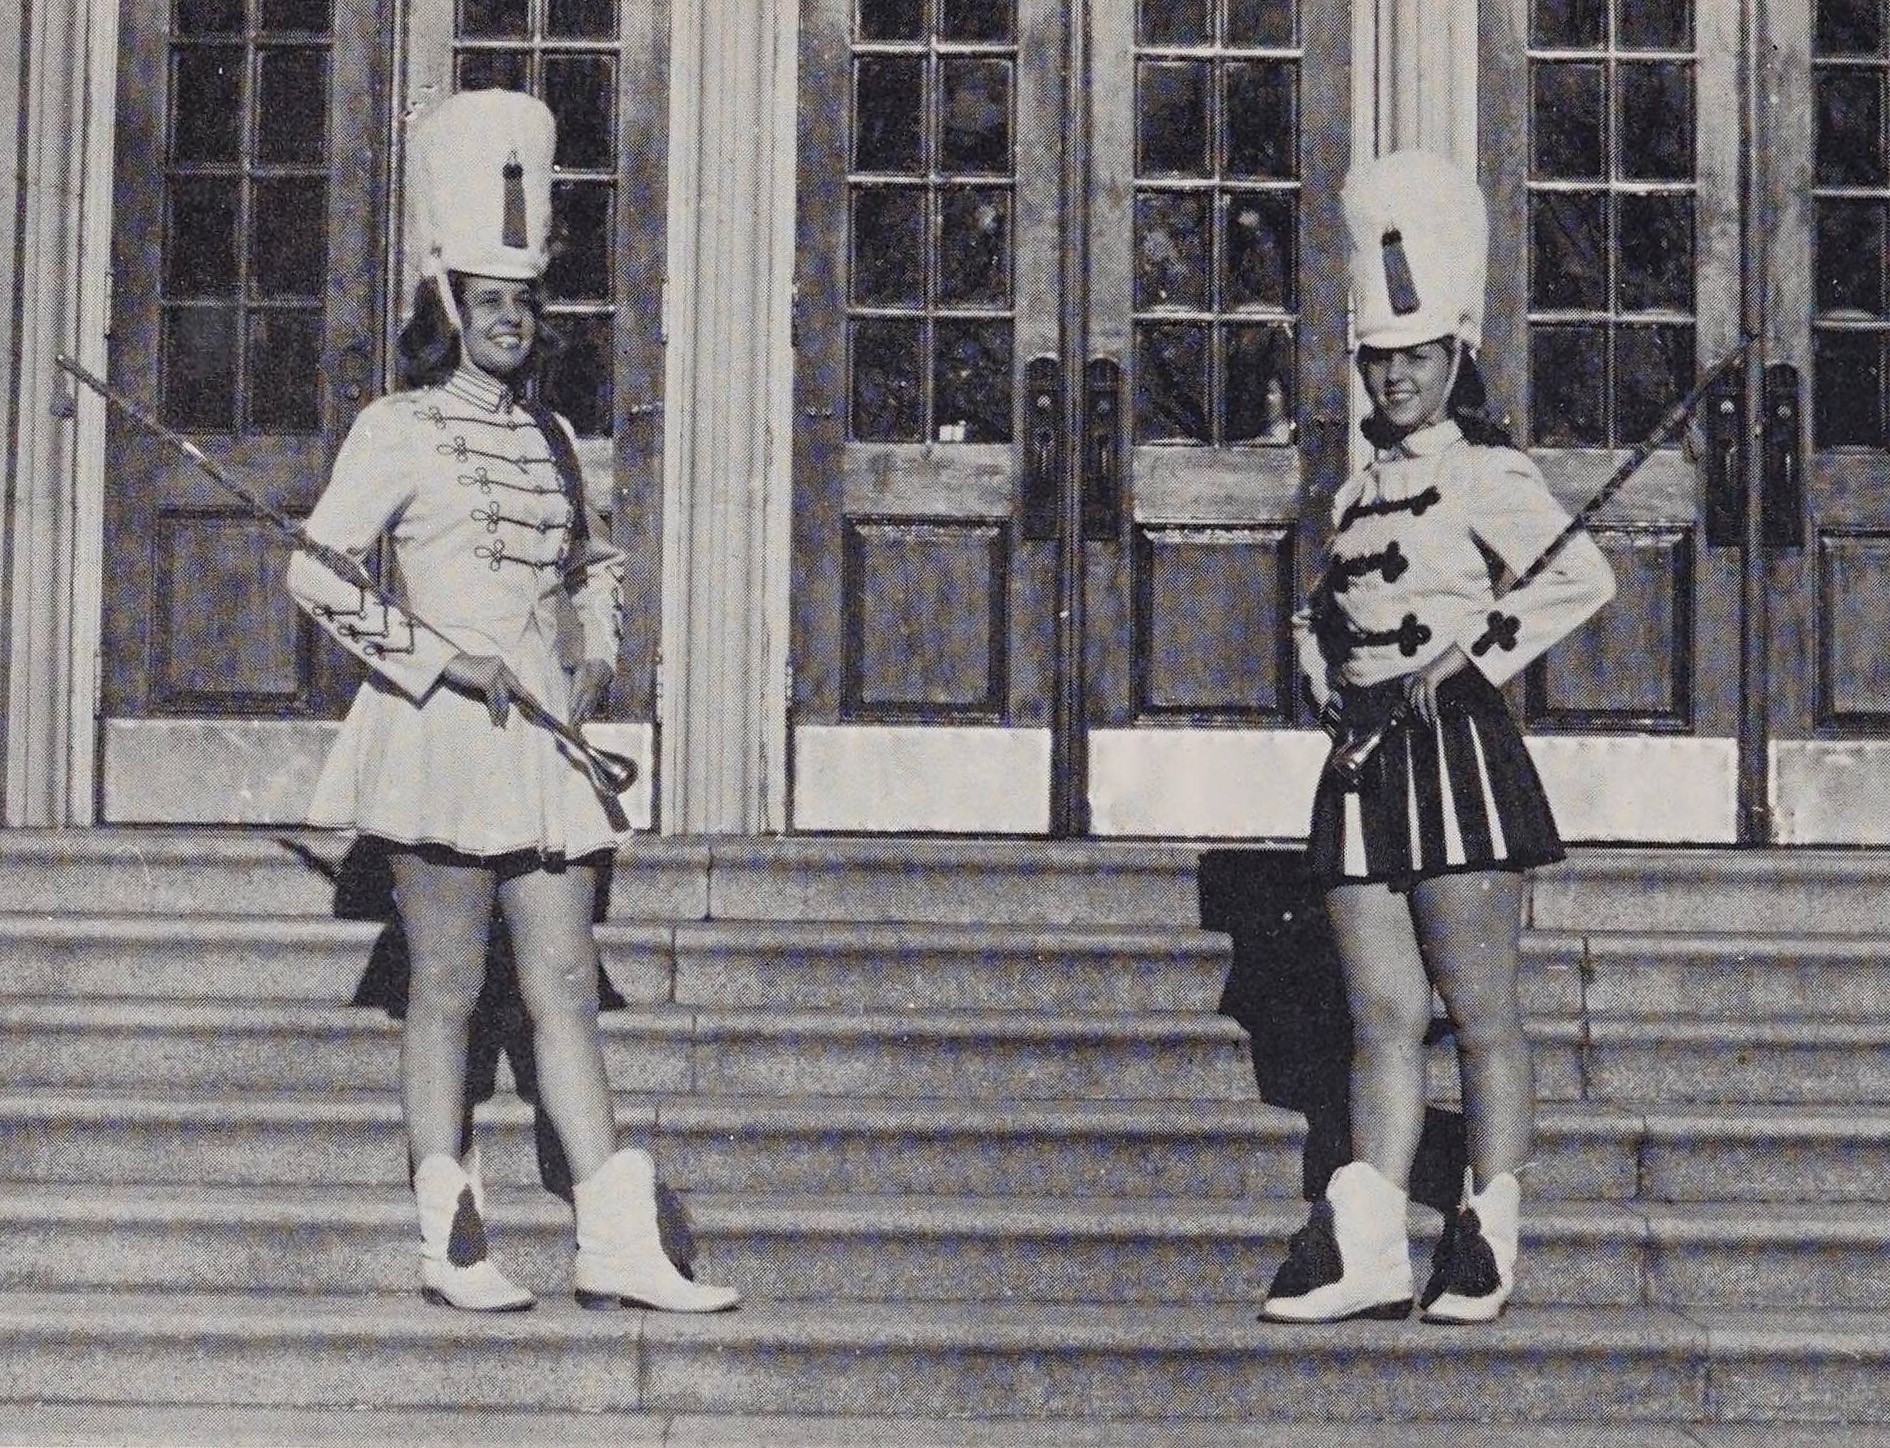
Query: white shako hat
[
  {"x": 1420, "y": 256},
  {"x": 479, "y": 185}
]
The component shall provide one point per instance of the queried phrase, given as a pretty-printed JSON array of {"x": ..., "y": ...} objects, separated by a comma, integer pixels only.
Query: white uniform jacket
[
  {"x": 1408, "y": 578},
  {"x": 467, "y": 485}
]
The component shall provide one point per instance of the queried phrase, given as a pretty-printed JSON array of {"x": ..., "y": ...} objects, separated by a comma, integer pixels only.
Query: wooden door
[
  {"x": 1064, "y": 361},
  {"x": 1822, "y": 418},
  {"x": 246, "y": 315},
  {"x": 258, "y": 175}
]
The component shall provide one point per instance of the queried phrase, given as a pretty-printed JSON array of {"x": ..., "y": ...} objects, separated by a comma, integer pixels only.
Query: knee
[
  {"x": 1388, "y": 1019},
  {"x": 559, "y": 990},
  {"x": 1488, "y": 1026},
  {"x": 446, "y": 990}
]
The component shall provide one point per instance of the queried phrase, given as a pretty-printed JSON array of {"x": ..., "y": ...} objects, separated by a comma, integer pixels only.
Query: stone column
[
  {"x": 1415, "y": 77},
  {"x": 727, "y": 438}
]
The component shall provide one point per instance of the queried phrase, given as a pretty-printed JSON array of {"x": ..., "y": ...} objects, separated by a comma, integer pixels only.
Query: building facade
[{"x": 965, "y": 380}]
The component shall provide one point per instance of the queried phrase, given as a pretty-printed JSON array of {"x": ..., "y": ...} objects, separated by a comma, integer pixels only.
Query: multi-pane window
[
  {"x": 1850, "y": 67},
  {"x": 245, "y": 245},
  {"x": 931, "y": 212},
  {"x": 1217, "y": 196},
  {"x": 566, "y": 52},
  {"x": 1612, "y": 210}
]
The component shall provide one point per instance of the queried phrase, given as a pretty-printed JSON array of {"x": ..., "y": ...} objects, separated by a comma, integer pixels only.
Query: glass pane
[
  {"x": 285, "y": 353},
  {"x": 1262, "y": 128},
  {"x": 1653, "y": 368},
  {"x": 1569, "y": 382},
  {"x": 208, "y": 17},
  {"x": 975, "y": 120},
  {"x": 888, "y": 111},
  {"x": 310, "y": 16},
  {"x": 1259, "y": 389},
  {"x": 580, "y": 384},
  {"x": 1656, "y": 265},
  {"x": 972, "y": 382},
  {"x": 1259, "y": 22},
  {"x": 581, "y": 19},
  {"x": 1569, "y": 262},
  {"x": 1850, "y": 257},
  {"x": 1850, "y": 128},
  {"x": 986, "y": 20},
  {"x": 1258, "y": 251},
  {"x": 1847, "y": 402},
  {"x": 288, "y": 244},
  {"x": 1171, "y": 370},
  {"x": 888, "y": 397},
  {"x": 494, "y": 70},
  {"x": 974, "y": 248},
  {"x": 292, "y": 106},
  {"x": 1654, "y": 25},
  {"x": 494, "y": 19},
  {"x": 892, "y": 19},
  {"x": 207, "y": 93},
  {"x": 200, "y": 369},
  {"x": 1850, "y": 27},
  {"x": 1570, "y": 124},
  {"x": 1657, "y": 121},
  {"x": 1171, "y": 250},
  {"x": 1177, "y": 22},
  {"x": 889, "y": 246},
  {"x": 581, "y": 253},
  {"x": 1172, "y": 120},
  {"x": 582, "y": 93},
  {"x": 200, "y": 249},
  {"x": 1570, "y": 23}
]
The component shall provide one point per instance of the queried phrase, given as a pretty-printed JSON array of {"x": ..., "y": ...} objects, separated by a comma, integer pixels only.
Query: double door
[
  {"x": 260, "y": 271},
  {"x": 1073, "y": 395}
]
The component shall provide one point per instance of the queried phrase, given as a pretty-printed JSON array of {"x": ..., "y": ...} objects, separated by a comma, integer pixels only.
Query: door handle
[
  {"x": 1043, "y": 448},
  {"x": 1723, "y": 423},
  {"x": 353, "y": 366},
  {"x": 1782, "y": 501},
  {"x": 1102, "y": 450}
]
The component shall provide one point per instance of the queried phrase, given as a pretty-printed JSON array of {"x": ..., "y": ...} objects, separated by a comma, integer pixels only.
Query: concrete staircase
[{"x": 978, "y": 1128}]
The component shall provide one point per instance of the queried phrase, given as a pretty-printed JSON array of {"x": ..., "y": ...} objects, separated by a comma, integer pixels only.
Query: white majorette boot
[
  {"x": 620, "y": 1258},
  {"x": 1474, "y": 1267},
  {"x": 1351, "y": 1259},
  {"x": 456, "y": 1269}
]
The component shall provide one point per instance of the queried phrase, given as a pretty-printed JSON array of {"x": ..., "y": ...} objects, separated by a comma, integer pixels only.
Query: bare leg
[
  {"x": 549, "y": 915},
  {"x": 1470, "y": 927},
  {"x": 446, "y": 912},
  {"x": 1390, "y": 998}
]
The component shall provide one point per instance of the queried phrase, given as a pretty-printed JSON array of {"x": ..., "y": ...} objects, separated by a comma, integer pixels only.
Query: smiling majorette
[
  {"x": 478, "y": 485},
  {"x": 1421, "y": 852}
]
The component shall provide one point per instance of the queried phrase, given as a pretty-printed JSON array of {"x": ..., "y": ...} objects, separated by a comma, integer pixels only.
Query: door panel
[
  {"x": 256, "y": 174},
  {"x": 1053, "y": 277}
]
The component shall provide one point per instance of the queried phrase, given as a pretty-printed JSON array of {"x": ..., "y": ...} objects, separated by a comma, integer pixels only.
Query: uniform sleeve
[
  {"x": 364, "y": 495},
  {"x": 1513, "y": 513},
  {"x": 1312, "y": 658},
  {"x": 597, "y": 583}
]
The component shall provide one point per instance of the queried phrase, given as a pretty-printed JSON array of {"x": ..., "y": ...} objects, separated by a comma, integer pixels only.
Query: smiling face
[
  {"x": 498, "y": 323},
  {"x": 1410, "y": 386}
]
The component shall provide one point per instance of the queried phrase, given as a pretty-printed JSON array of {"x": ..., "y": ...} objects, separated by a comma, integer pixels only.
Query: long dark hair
[
  {"x": 428, "y": 348},
  {"x": 1468, "y": 406}
]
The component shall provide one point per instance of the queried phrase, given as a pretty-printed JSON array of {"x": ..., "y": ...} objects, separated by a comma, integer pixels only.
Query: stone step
[
  {"x": 1754, "y": 891},
  {"x": 1725, "y": 1154},
  {"x": 973, "y": 1360},
  {"x": 779, "y": 964},
  {"x": 285, "y": 872},
  {"x": 93, "y": 1425},
  {"x": 91, "y": 1045},
  {"x": 1750, "y": 975},
  {"x": 925, "y": 1249}
]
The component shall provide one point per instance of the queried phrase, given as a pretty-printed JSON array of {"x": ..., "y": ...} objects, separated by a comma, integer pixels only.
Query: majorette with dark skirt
[{"x": 1422, "y": 851}]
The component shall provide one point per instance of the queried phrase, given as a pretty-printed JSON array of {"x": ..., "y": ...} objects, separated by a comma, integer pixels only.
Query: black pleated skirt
[{"x": 1441, "y": 799}]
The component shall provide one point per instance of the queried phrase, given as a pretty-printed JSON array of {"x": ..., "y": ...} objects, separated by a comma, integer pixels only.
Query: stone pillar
[
  {"x": 1415, "y": 76},
  {"x": 50, "y": 528},
  {"x": 727, "y": 438}
]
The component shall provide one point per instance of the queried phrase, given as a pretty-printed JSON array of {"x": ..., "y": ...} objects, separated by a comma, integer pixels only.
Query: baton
[
  {"x": 1349, "y": 759},
  {"x": 609, "y": 772}
]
